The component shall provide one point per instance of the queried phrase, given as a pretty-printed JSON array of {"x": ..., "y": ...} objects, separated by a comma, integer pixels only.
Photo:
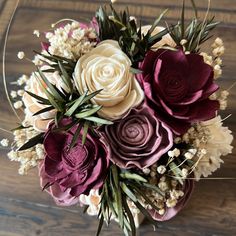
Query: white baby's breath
[
  {"x": 37, "y": 33},
  {"x": 71, "y": 41},
  {"x": 18, "y": 104},
  {"x": 4, "y": 142},
  {"x": 21, "y": 55}
]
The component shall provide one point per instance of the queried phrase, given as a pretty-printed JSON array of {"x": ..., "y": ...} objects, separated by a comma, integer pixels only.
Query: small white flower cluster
[
  {"x": 171, "y": 190},
  {"x": 92, "y": 201},
  {"x": 71, "y": 41},
  {"x": 38, "y": 59},
  {"x": 14, "y": 94},
  {"x": 4, "y": 142},
  {"x": 28, "y": 158},
  {"x": 170, "y": 187},
  {"x": 222, "y": 98},
  {"x": 36, "y": 33},
  {"x": 215, "y": 60},
  {"x": 21, "y": 55}
]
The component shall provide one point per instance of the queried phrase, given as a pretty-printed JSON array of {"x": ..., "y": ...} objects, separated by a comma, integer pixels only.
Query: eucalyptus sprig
[{"x": 122, "y": 28}]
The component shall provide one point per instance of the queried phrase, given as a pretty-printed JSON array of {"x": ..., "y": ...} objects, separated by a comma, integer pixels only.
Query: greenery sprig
[
  {"x": 195, "y": 33},
  {"x": 67, "y": 102},
  {"x": 120, "y": 188},
  {"x": 122, "y": 28}
]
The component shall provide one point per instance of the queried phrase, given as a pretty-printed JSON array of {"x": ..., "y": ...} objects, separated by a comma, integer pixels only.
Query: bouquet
[{"x": 122, "y": 118}]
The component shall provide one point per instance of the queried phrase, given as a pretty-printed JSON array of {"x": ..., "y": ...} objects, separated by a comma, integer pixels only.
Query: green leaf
[
  {"x": 55, "y": 58},
  {"x": 66, "y": 78},
  {"x": 58, "y": 118},
  {"x": 155, "y": 38},
  {"x": 130, "y": 217},
  {"x": 88, "y": 113},
  {"x": 75, "y": 136},
  {"x": 155, "y": 188},
  {"x": 43, "y": 100},
  {"x": 176, "y": 171},
  {"x": 145, "y": 213},
  {"x": 155, "y": 24},
  {"x": 85, "y": 131},
  {"x": 144, "y": 196},
  {"x": 195, "y": 8},
  {"x": 51, "y": 99},
  {"x": 46, "y": 109},
  {"x": 50, "y": 86},
  {"x": 20, "y": 127},
  {"x": 66, "y": 127},
  {"x": 118, "y": 196},
  {"x": 47, "y": 185},
  {"x": 128, "y": 192},
  {"x": 91, "y": 95},
  {"x": 183, "y": 20},
  {"x": 32, "y": 142},
  {"x": 135, "y": 71},
  {"x": 101, "y": 221},
  {"x": 85, "y": 209},
  {"x": 136, "y": 177},
  {"x": 76, "y": 104},
  {"x": 98, "y": 120}
]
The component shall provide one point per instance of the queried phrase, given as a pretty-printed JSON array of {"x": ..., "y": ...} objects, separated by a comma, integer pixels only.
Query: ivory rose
[
  {"x": 106, "y": 67},
  {"x": 40, "y": 122}
]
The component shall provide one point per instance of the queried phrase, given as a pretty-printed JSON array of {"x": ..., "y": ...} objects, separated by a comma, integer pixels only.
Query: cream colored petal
[
  {"x": 139, "y": 91},
  {"x": 41, "y": 125},
  {"x": 120, "y": 109}
]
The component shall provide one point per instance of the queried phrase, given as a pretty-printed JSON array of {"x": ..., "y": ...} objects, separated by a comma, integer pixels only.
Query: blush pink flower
[
  {"x": 178, "y": 87},
  {"x": 76, "y": 171}
]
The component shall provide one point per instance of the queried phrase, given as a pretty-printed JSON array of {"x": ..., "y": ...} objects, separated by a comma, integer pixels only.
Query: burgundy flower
[
  {"x": 62, "y": 198},
  {"x": 173, "y": 211},
  {"x": 139, "y": 139},
  {"x": 76, "y": 171},
  {"x": 178, "y": 87}
]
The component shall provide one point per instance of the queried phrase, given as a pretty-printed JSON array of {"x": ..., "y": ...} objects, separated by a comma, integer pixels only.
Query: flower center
[
  {"x": 76, "y": 156},
  {"x": 108, "y": 71},
  {"x": 132, "y": 131},
  {"x": 174, "y": 86}
]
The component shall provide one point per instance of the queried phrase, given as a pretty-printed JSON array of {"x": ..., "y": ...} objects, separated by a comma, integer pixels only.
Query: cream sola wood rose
[
  {"x": 106, "y": 67},
  {"x": 40, "y": 122}
]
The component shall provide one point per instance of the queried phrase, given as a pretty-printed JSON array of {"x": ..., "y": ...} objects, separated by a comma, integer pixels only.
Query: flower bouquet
[{"x": 121, "y": 118}]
